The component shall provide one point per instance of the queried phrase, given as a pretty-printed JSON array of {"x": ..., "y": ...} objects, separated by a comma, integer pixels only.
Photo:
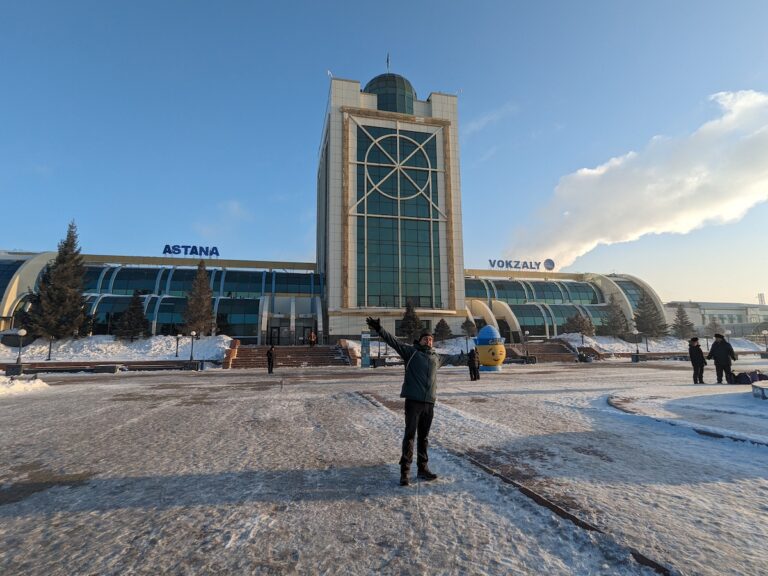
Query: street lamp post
[
  {"x": 178, "y": 337},
  {"x": 525, "y": 341},
  {"x": 21, "y": 332},
  {"x": 192, "y": 349},
  {"x": 50, "y": 346},
  {"x": 765, "y": 339}
]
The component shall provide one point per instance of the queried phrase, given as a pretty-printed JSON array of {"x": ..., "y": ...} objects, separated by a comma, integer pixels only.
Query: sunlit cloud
[{"x": 675, "y": 185}]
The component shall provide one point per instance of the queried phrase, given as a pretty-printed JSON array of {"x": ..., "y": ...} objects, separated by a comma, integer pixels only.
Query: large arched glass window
[
  {"x": 582, "y": 293},
  {"x": 632, "y": 291},
  {"x": 510, "y": 291},
  {"x": 531, "y": 318}
]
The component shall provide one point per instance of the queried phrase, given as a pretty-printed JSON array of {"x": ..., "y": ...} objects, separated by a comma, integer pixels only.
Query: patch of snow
[
  {"x": 108, "y": 348},
  {"x": 16, "y": 386},
  {"x": 380, "y": 348},
  {"x": 671, "y": 344}
]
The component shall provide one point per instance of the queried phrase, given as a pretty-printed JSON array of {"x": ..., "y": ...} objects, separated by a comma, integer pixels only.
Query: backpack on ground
[{"x": 742, "y": 378}]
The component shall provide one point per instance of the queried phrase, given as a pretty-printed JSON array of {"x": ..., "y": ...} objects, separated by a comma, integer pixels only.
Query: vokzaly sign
[{"x": 547, "y": 264}]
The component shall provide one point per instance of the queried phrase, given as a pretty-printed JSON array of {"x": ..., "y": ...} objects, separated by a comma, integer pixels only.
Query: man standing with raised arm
[{"x": 420, "y": 393}]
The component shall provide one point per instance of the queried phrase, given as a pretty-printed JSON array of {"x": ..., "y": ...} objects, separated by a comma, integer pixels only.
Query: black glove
[{"x": 374, "y": 324}]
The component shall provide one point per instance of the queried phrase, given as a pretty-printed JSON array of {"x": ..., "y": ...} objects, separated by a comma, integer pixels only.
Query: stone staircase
[
  {"x": 295, "y": 356},
  {"x": 543, "y": 351}
]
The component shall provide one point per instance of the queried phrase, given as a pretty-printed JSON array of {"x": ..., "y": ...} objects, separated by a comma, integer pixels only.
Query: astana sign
[{"x": 190, "y": 250}]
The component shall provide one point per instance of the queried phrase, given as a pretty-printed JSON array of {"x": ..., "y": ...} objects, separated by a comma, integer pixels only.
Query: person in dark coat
[
  {"x": 697, "y": 360},
  {"x": 420, "y": 393},
  {"x": 722, "y": 353},
  {"x": 271, "y": 357},
  {"x": 473, "y": 361}
]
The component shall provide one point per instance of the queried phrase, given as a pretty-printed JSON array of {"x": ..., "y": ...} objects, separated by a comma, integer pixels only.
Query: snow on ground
[
  {"x": 14, "y": 386},
  {"x": 380, "y": 348},
  {"x": 612, "y": 345},
  {"x": 233, "y": 472},
  {"x": 107, "y": 348}
]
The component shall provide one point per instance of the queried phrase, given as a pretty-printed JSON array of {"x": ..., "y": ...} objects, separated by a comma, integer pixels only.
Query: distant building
[
  {"x": 389, "y": 230},
  {"x": 741, "y": 319}
]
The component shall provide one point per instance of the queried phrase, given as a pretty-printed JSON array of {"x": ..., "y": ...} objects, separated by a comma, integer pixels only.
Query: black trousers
[
  {"x": 474, "y": 373},
  {"x": 720, "y": 368},
  {"x": 418, "y": 419},
  {"x": 270, "y": 366},
  {"x": 698, "y": 373}
]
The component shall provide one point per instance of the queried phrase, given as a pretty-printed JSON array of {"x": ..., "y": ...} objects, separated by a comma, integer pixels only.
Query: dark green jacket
[{"x": 421, "y": 365}]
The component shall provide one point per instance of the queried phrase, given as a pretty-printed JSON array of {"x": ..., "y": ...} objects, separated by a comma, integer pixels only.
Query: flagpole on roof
[{"x": 387, "y": 62}]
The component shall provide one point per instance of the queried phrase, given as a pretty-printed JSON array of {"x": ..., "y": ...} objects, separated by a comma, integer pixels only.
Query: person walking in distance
[
  {"x": 312, "y": 339},
  {"x": 473, "y": 361},
  {"x": 271, "y": 357},
  {"x": 722, "y": 353},
  {"x": 697, "y": 360},
  {"x": 420, "y": 393}
]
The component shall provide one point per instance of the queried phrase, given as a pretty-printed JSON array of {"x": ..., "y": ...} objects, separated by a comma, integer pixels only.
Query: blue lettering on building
[
  {"x": 190, "y": 250},
  {"x": 520, "y": 264}
]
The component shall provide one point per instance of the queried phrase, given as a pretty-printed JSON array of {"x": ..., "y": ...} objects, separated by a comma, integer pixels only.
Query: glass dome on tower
[{"x": 395, "y": 93}]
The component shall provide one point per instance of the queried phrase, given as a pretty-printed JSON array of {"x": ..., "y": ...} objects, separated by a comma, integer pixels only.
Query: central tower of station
[{"x": 389, "y": 205}]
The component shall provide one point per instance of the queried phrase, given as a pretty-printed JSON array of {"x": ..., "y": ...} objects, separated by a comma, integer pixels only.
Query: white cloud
[
  {"x": 490, "y": 118},
  {"x": 675, "y": 185}
]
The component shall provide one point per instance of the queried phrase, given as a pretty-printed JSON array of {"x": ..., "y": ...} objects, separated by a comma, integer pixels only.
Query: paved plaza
[{"x": 237, "y": 472}]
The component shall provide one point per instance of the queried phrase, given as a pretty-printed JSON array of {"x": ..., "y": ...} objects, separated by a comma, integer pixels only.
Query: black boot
[
  {"x": 404, "y": 479},
  {"x": 426, "y": 474}
]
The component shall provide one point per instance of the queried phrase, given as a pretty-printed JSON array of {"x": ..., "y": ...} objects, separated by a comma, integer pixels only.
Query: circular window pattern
[{"x": 402, "y": 166}]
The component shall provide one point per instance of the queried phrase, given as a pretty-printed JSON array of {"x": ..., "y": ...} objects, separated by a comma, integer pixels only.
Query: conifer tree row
[
  {"x": 442, "y": 330},
  {"x": 615, "y": 323},
  {"x": 198, "y": 316},
  {"x": 579, "y": 324},
  {"x": 682, "y": 327},
  {"x": 469, "y": 328},
  {"x": 649, "y": 320},
  {"x": 411, "y": 325},
  {"x": 58, "y": 307},
  {"x": 133, "y": 323}
]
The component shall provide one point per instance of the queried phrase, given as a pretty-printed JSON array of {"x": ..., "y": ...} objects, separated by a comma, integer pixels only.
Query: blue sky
[{"x": 184, "y": 122}]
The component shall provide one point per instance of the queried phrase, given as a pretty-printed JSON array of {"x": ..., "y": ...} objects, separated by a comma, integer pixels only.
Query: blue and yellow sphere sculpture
[{"x": 490, "y": 347}]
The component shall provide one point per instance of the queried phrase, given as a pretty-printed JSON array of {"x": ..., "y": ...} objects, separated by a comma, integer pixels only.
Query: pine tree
[
  {"x": 411, "y": 326},
  {"x": 615, "y": 323},
  {"x": 133, "y": 323},
  {"x": 58, "y": 307},
  {"x": 442, "y": 330},
  {"x": 714, "y": 327},
  {"x": 199, "y": 313},
  {"x": 469, "y": 328},
  {"x": 579, "y": 324},
  {"x": 649, "y": 321},
  {"x": 682, "y": 327}
]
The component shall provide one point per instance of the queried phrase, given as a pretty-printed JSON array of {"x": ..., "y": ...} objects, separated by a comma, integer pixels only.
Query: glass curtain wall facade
[
  {"x": 541, "y": 307},
  {"x": 398, "y": 218},
  {"x": 239, "y": 298}
]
